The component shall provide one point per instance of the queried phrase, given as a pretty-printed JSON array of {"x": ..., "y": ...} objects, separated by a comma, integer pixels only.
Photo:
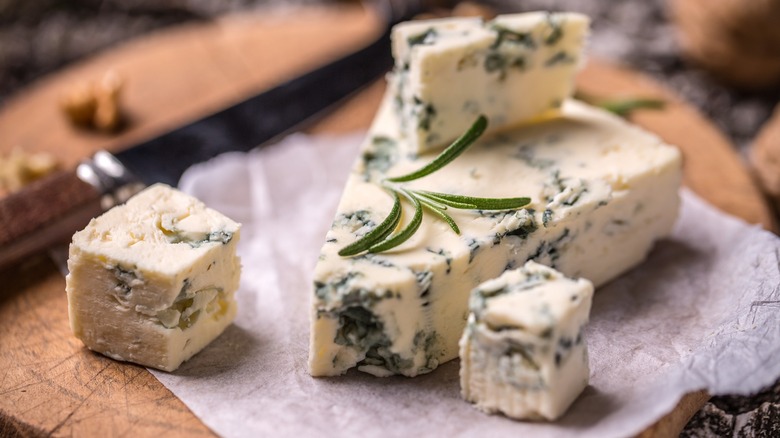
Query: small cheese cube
[
  {"x": 513, "y": 69},
  {"x": 153, "y": 281},
  {"x": 523, "y": 352}
]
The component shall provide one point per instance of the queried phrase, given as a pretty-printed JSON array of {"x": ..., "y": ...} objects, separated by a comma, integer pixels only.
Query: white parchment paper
[{"x": 703, "y": 312}]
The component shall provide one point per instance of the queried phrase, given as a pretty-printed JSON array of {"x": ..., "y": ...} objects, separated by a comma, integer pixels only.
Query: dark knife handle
[{"x": 47, "y": 211}]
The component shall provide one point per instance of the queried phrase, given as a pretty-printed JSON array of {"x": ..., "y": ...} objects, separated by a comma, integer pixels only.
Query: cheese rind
[
  {"x": 513, "y": 69},
  {"x": 603, "y": 191},
  {"x": 523, "y": 352},
  {"x": 153, "y": 281}
]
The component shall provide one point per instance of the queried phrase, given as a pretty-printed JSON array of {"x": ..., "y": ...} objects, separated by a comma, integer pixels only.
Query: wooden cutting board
[{"x": 50, "y": 384}]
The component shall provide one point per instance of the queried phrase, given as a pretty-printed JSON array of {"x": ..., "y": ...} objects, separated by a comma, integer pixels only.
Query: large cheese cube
[
  {"x": 513, "y": 69},
  {"x": 153, "y": 281},
  {"x": 603, "y": 191},
  {"x": 523, "y": 352}
]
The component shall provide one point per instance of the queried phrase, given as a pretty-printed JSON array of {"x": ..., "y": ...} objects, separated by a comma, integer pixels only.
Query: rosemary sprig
[
  {"x": 622, "y": 107},
  {"x": 407, "y": 232},
  {"x": 459, "y": 201},
  {"x": 381, "y": 238},
  {"x": 443, "y": 203},
  {"x": 377, "y": 234},
  {"x": 452, "y": 152},
  {"x": 438, "y": 210}
]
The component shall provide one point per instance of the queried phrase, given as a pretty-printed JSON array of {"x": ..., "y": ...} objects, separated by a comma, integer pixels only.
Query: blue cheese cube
[
  {"x": 513, "y": 69},
  {"x": 603, "y": 191},
  {"x": 153, "y": 281},
  {"x": 523, "y": 353}
]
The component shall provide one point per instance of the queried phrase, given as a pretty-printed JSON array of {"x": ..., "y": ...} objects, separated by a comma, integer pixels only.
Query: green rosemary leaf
[
  {"x": 447, "y": 202},
  {"x": 435, "y": 202},
  {"x": 405, "y": 233},
  {"x": 378, "y": 233},
  {"x": 624, "y": 107},
  {"x": 621, "y": 107},
  {"x": 478, "y": 203},
  {"x": 453, "y": 151},
  {"x": 383, "y": 238},
  {"x": 441, "y": 213}
]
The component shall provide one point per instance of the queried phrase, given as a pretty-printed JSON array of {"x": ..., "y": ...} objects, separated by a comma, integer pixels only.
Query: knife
[{"x": 50, "y": 210}]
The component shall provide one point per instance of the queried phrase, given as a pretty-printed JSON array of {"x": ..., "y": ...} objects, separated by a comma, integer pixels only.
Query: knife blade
[
  {"x": 259, "y": 119},
  {"x": 50, "y": 210}
]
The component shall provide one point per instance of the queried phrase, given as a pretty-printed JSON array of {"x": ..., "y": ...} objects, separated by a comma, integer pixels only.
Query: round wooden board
[
  {"x": 51, "y": 383},
  {"x": 765, "y": 157}
]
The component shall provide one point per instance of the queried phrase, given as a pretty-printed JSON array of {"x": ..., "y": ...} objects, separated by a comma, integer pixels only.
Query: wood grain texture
[
  {"x": 50, "y": 383},
  {"x": 673, "y": 423}
]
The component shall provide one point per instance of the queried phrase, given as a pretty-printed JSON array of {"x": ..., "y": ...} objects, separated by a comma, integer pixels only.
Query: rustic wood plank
[
  {"x": 712, "y": 167},
  {"x": 50, "y": 383}
]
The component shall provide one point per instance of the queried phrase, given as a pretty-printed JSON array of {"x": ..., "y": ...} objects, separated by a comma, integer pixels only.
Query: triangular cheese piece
[{"x": 602, "y": 190}]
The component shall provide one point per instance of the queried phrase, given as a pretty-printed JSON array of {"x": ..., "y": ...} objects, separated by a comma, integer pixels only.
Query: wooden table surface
[{"x": 51, "y": 384}]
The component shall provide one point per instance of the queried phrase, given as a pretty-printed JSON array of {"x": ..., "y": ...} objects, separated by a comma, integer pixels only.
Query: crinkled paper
[{"x": 703, "y": 312}]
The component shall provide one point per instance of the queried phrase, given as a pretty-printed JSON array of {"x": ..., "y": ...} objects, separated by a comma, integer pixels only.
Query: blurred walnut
[
  {"x": 20, "y": 168},
  {"x": 94, "y": 105},
  {"x": 737, "y": 40}
]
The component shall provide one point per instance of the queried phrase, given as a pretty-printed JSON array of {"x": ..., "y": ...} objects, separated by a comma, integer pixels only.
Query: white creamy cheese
[
  {"x": 602, "y": 192},
  {"x": 523, "y": 352},
  {"x": 153, "y": 281},
  {"x": 513, "y": 69}
]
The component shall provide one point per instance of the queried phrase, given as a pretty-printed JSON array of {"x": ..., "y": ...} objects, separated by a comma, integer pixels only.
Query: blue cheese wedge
[
  {"x": 513, "y": 69},
  {"x": 603, "y": 191},
  {"x": 153, "y": 281},
  {"x": 523, "y": 353}
]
